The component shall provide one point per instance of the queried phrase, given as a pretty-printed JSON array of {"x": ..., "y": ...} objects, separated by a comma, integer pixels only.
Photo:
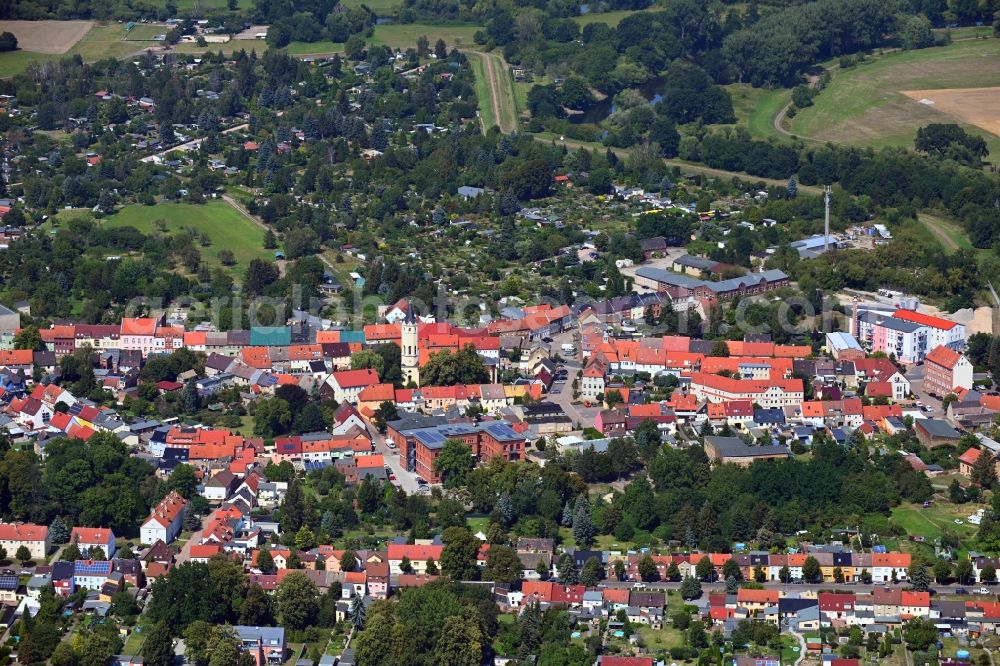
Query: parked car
[
  {"x": 984, "y": 590},
  {"x": 961, "y": 590}
]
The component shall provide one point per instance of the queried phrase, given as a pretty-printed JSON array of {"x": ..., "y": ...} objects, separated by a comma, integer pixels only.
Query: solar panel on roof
[{"x": 91, "y": 568}]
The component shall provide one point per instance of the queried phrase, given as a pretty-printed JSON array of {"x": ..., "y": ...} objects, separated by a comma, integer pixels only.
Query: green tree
[
  {"x": 731, "y": 569},
  {"x": 919, "y": 577},
  {"x": 305, "y": 539},
  {"x": 260, "y": 275},
  {"x": 919, "y": 634},
  {"x": 460, "y": 642},
  {"x": 265, "y": 562},
  {"x": 447, "y": 369},
  {"x": 984, "y": 472},
  {"x": 98, "y": 648},
  {"x": 593, "y": 572},
  {"x": 271, "y": 417},
  {"x": 502, "y": 565},
  {"x": 348, "y": 561},
  {"x": 964, "y": 572},
  {"x": 23, "y": 554},
  {"x": 297, "y": 601},
  {"x": 583, "y": 527},
  {"x": 690, "y": 588},
  {"x": 647, "y": 569},
  {"x": 569, "y": 574},
  {"x": 458, "y": 559},
  {"x": 942, "y": 571},
  {"x": 810, "y": 570},
  {"x": 29, "y": 338},
  {"x": 704, "y": 569},
  {"x": 368, "y": 359},
  {"x": 453, "y": 463},
  {"x": 357, "y": 613},
  {"x": 184, "y": 481},
  {"x": 158, "y": 648}
]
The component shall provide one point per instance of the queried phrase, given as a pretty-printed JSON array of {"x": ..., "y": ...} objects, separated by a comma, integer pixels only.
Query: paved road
[{"x": 580, "y": 415}]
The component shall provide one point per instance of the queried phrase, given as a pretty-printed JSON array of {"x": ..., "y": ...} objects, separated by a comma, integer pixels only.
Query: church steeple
[{"x": 410, "y": 356}]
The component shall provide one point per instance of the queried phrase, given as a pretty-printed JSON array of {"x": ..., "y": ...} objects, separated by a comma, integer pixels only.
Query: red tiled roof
[
  {"x": 944, "y": 356},
  {"x": 924, "y": 319}
]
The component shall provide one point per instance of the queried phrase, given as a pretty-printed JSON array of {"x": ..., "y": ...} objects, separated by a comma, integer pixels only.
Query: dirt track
[{"x": 52, "y": 37}]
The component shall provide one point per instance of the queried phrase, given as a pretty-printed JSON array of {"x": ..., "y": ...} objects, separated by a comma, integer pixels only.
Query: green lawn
[
  {"x": 133, "y": 644},
  {"x": 226, "y": 229},
  {"x": 144, "y": 32},
  {"x": 404, "y": 35},
  {"x": 380, "y": 7},
  {"x": 661, "y": 639},
  {"x": 930, "y": 522},
  {"x": 187, "y": 5},
  {"x": 479, "y": 524},
  {"x": 865, "y": 105},
  {"x": 611, "y": 18},
  {"x": 314, "y": 48}
]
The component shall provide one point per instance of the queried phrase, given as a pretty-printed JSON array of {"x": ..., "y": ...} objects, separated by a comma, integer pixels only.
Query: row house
[
  {"x": 33, "y": 537},
  {"x": 772, "y": 393},
  {"x": 417, "y": 555}
]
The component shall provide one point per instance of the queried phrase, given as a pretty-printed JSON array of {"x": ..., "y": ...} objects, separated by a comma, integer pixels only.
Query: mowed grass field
[
  {"x": 611, "y": 18},
  {"x": 933, "y": 520},
  {"x": 756, "y": 108},
  {"x": 404, "y": 35},
  {"x": 225, "y": 227},
  {"x": 380, "y": 7},
  {"x": 865, "y": 104}
]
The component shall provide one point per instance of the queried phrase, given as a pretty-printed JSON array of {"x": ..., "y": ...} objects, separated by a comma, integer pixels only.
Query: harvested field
[
  {"x": 975, "y": 106},
  {"x": 51, "y": 37},
  {"x": 868, "y": 104}
]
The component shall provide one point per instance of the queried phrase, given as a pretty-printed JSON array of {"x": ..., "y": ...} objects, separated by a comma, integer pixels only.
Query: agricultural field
[
  {"x": 52, "y": 37},
  {"x": 878, "y": 102},
  {"x": 103, "y": 40}
]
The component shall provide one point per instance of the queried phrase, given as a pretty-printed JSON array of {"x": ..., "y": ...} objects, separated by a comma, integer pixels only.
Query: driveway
[
  {"x": 405, "y": 480},
  {"x": 185, "y": 553}
]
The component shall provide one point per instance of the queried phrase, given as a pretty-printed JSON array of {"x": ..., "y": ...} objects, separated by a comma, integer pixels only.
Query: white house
[
  {"x": 164, "y": 522},
  {"x": 86, "y": 538}
]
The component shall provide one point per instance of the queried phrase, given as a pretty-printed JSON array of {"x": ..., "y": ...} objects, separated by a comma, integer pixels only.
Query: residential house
[
  {"x": 165, "y": 520},
  {"x": 87, "y": 538}
]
